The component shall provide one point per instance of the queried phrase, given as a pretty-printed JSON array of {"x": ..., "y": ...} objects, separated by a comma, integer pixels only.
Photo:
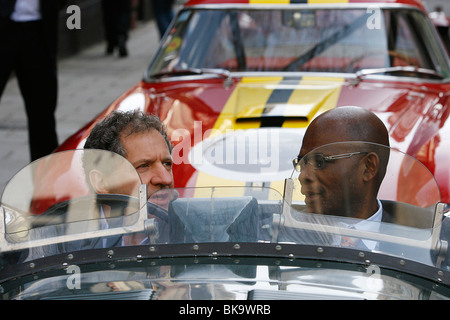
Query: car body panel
[
  {"x": 235, "y": 242},
  {"x": 413, "y": 115},
  {"x": 236, "y": 226},
  {"x": 198, "y": 108}
]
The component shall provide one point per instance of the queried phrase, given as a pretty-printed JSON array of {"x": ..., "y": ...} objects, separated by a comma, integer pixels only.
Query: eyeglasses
[{"x": 317, "y": 160}]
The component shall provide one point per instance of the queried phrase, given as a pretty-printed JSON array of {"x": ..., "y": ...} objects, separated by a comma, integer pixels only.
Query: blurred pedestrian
[
  {"x": 442, "y": 24},
  {"x": 439, "y": 17},
  {"x": 28, "y": 33},
  {"x": 116, "y": 20},
  {"x": 163, "y": 10}
]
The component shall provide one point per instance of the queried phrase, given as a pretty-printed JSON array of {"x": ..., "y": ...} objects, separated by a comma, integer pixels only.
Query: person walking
[{"x": 29, "y": 33}]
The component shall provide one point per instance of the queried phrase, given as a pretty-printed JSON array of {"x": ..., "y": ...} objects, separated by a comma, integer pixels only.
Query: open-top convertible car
[
  {"x": 237, "y": 82},
  {"x": 229, "y": 242}
]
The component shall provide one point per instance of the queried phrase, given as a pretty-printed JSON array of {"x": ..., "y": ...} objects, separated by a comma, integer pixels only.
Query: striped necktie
[{"x": 349, "y": 242}]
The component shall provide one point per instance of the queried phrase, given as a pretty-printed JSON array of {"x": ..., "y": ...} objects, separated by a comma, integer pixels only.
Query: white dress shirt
[
  {"x": 26, "y": 10},
  {"x": 371, "y": 224}
]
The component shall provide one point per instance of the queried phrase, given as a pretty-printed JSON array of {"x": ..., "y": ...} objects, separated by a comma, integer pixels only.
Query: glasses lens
[
  {"x": 296, "y": 164},
  {"x": 316, "y": 161}
]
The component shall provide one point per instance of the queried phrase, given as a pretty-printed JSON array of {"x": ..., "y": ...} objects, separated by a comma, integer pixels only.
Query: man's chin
[
  {"x": 161, "y": 198},
  {"x": 313, "y": 204},
  {"x": 312, "y": 209}
]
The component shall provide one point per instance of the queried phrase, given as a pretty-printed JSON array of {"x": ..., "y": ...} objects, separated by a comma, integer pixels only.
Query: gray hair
[{"x": 106, "y": 134}]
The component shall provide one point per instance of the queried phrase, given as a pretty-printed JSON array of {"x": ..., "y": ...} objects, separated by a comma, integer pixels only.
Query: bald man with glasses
[
  {"x": 342, "y": 163},
  {"x": 344, "y": 179}
]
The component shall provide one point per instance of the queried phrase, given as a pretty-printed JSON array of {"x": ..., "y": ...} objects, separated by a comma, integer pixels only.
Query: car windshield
[
  {"x": 50, "y": 202},
  {"x": 298, "y": 39},
  {"x": 77, "y": 201}
]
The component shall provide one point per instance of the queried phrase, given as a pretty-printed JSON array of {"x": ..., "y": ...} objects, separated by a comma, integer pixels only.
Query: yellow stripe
[
  {"x": 254, "y": 99},
  {"x": 323, "y": 89},
  {"x": 277, "y": 185},
  {"x": 260, "y": 79},
  {"x": 252, "y": 94},
  {"x": 244, "y": 95},
  {"x": 204, "y": 179},
  {"x": 326, "y": 1},
  {"x": 335, "y": 90},
  {"x": 247, "y": 95}
]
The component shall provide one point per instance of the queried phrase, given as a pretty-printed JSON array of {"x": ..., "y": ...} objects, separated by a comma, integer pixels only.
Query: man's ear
[
  {"x": 371, "y": 166},
  {"x": 98, "y": 182}
]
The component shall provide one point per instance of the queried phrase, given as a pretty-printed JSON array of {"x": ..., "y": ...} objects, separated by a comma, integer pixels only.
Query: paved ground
[{"x": 88, "y": 82}]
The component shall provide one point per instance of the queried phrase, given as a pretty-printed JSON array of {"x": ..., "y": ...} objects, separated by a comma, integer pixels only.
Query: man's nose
[
  {"x": 161, "y": 176},
  {"x": 306, "y": 175}
]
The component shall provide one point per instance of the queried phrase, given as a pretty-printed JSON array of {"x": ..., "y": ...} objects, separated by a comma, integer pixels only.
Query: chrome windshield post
[
  {"x": 440, "y": 246},
  {"x": 278, "y": 219},
  {"x": 28, "y": 241}
]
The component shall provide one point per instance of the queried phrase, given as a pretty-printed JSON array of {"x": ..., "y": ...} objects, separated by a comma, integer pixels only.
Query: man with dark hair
[{"x": 142, "y": 140}]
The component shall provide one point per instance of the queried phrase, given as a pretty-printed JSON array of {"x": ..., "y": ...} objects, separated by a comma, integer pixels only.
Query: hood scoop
[{"x": 288, "y": 99}]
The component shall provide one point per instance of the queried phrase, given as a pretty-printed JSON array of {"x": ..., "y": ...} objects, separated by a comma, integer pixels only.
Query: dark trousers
[
  {"x": 24, "y": 51},
  {"x": 116, "y": 20},
  {"x": 163, "y": 10}
]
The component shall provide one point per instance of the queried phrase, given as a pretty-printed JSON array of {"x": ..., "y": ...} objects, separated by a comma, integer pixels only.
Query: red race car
[{"x": 238, "y": 82}]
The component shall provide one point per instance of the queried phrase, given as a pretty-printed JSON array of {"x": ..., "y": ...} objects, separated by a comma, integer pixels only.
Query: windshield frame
[
  {"x": 262, "y": 246},
  {"x": 288, "y": 254},
  {"x": 439, "y": 58}
]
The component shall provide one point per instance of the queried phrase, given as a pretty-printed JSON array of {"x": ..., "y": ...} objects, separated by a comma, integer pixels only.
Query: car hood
[
  {"x": 204, "y": 114},
  {"x": 255, "y": 102}
]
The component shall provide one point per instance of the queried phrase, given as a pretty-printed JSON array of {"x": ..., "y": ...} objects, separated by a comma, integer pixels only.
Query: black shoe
[
  {"x": 123, "y": 51},
  {"x": 109, "y": 49}
]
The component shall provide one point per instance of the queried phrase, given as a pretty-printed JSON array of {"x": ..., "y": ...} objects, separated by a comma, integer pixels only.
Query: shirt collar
[{"x": 371, "y": 224}]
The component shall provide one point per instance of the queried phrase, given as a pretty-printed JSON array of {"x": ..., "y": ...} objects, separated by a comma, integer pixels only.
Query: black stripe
[{"x": 277, "y": 96}]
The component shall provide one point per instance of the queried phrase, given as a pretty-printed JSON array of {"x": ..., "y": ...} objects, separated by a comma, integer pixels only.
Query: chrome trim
[
  {"x": 139, "y": 226},
  {"x": 347, "y": 76},
  {"x": 266, "y": 6}
]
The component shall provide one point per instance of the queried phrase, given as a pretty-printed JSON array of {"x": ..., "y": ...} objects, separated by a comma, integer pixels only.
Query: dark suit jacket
[
  {"x": 50, "y": 17},
  {"x": 72, "y": 217},
  {"x": 393, "y": 213},
  {"x": 405, "y": 214},
  {"x": 445, "y": 236}
]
